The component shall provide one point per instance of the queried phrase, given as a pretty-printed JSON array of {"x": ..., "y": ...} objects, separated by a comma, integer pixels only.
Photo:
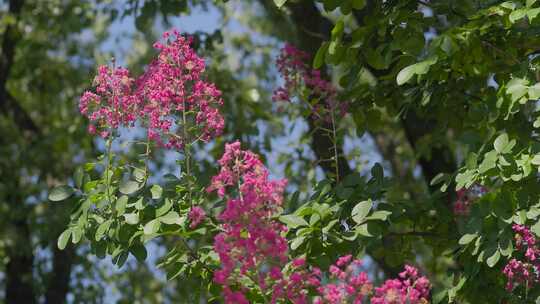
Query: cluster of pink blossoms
[
  {"x": 170, "y": 93},
  {"x": 196, "y": 215},
  {"x": 528, "y": 271},
  {"x": 171, "y": 85},
  {"x": 250, "y": 242},
  {"x": 251, "y": 246},
  {"x": 465, "y": 197},
  {"x": 113, "y": 104},
  {"x": 349, "y": 284},
  {"x": 293, "y": 66},
  {"x": 293, "y": 285},
  {"x": 410, "y": 287}
]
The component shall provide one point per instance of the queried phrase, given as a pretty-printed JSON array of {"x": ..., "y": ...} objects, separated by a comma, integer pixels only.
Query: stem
[
  {"x": 147, "y": 156},
  {"x": 187, "y": 151},
  {"x": 334, "y": 139},
  {"x": 107, "y": 170}
]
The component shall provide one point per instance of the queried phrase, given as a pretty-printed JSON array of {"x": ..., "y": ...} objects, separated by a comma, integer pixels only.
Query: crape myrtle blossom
[
  {"x": 410, "y": 287},
  {"x": 251, "y": 242},
  {"x": 347, "y": 285},
  {"x": 169, "y": 96},
  {"x": 172, "y": 87},
  {"x": 112, "y": 104},
  {"x": 293, "y": 66},
  {"x": 523, "y": 272},
  {"x": 250, "y": 245},
  {"x": 196, "y": 215}
]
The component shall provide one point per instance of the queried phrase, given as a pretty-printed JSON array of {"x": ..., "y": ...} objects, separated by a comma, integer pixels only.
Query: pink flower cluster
[
  {"x": 250, "y": 242},
  {"x": 349, "y": 284},
  {"x": 113, "y": 104},
  {"x": 196, "y": 215},
  {"x": 170, "y": 93},
  {"x": 293, "y": 285},
  {"x": 293, "y": 66},
  {"x": 251, "y": 247},
  {"x": 528, "y": 271},
  {"x": 172, "y": 85},
  {"x": 465, "y": 197},
  {"x": 408, "y": 288}
]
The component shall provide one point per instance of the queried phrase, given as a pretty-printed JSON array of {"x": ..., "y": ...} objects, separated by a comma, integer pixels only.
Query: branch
[{"x": 8, "y": 105}]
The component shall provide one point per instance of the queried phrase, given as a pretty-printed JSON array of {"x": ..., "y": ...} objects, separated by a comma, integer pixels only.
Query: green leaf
[
  {"x": 344, "y": 192},
  {"x": 60, "y": 193},
  {"x": 534, "y": 91},
  {"x": 467, "y": 238},
  {"x": 379, "y": 215},
  {"x": 363, "y": 230},
  {"x": 377, "y": 172},
  {"x": 120, "y": 205},
  {"x": 536, "y": 228},
  {"x": 129, "y": 187},
  {"x": 493, "y": 259},
  {"x": 76, "y": 235},
  {"x": 319, "y": 56},
  {"x": 439, "y": 178},
  {"x": 405, "y": 74},
  {"x": 419, "y": 68},
  {"x": 337, "y": 31},
  {"x": 78, "y": 177},
  {"x": 536, "y": 160},
  {"x": 489, "y": 162},
  {"x": 361, "y": 210},
  {"x": 531, "y": 14},
  {"x": 156, "y": 191},
  {"x": 297, "y": 242},
  {"x": 279, "y": 3},
  {"x": 120, "y": 259},
  {"x": 517, "y": 14},
  {"x": 517, "y": 88},
  {"x": 293, "y": 221},
  {"x": 102, "y": 229},
  {"x": 132, "y": 218},
  {"x": 139, "y": 252},
  {"x": 163, "y": 209},
  {"x": 171, "y": 218},
  {"x": 63, "y": 239},
  {"x": 500, "y": 142},
  {"x": 152, "y": 227},
  {"x": 139, "y": 174}
]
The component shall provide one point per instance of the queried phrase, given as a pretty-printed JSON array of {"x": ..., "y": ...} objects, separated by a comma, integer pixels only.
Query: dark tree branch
[
  {"x": 11, "y": 108},
  {"x": 58, "y": 285},
  {"x": 19, "y": 268},
  {"x": 441, "y": 159},
  {"x": 8, "y": 105}
]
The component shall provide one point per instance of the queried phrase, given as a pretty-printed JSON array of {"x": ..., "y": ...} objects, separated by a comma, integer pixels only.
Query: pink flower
[
  {"x": 293, "y": 65},
  {"x": 170, "y": 96},
  {"x": 176, "y": 94},
  {"x": 408, "y": 288},
  {"x": 343, "y": 260},
  {"x": 525, "y": 272},
  {"x": 299, "y": 262},
  {"x": 113, "y": 104},
  {"x": 251, "y": 237},
  {"x": 196, "y": 216}
]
